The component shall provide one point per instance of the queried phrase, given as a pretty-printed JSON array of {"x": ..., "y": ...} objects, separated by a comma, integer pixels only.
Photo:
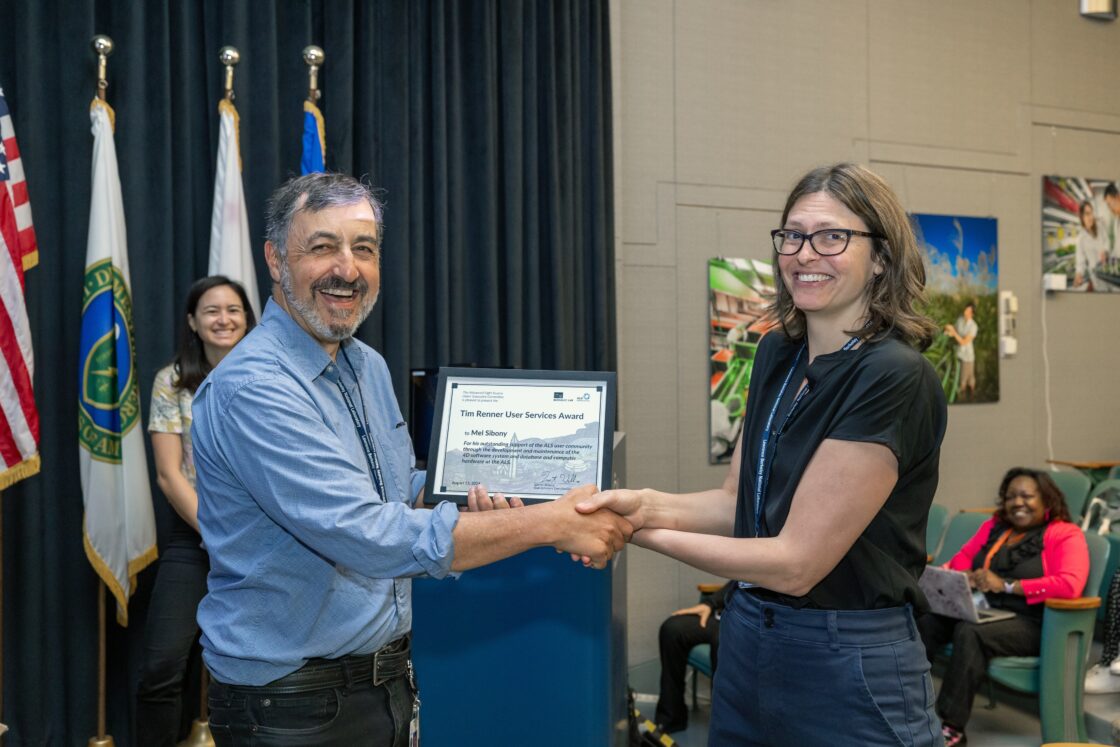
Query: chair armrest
[
  {"x": 1080, "y": 603},
  {"x": 709, "y": 588},
  {"x": 978, "y": 510},
  {"x": 929, "y": 558}
]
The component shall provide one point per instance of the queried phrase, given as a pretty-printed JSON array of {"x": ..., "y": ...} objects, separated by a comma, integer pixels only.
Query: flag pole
[
  {"x": 229, "y": 56},
  {"x": 103, "y": 47},
  {"x": 102, "y": 739},
  {"x": 313, "y": 56}
]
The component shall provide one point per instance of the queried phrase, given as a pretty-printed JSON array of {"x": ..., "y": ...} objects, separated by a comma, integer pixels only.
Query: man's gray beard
[{"x": 330, "y": 332}]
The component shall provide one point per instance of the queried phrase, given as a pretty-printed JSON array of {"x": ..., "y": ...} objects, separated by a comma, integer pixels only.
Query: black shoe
[{"x": 673, "y": 726}]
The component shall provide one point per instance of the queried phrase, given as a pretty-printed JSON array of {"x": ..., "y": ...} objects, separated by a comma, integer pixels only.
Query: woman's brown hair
[{"x": 894, "y": 294}]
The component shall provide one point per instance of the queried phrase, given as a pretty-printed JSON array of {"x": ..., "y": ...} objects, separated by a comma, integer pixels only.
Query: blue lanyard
[
  {"x": 765, "y": 458},
  {"x": 362, "y": 429}
]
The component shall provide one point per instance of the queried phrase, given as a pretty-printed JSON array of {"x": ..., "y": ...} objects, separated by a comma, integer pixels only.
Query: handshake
[{"x": 590, "y": 525}]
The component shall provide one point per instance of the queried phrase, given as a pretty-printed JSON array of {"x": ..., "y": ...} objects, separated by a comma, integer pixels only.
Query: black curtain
[{"x": 486, "y": 123}]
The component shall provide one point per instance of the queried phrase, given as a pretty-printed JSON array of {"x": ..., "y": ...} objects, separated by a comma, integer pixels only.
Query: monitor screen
[{"x": 422, "y": 410}]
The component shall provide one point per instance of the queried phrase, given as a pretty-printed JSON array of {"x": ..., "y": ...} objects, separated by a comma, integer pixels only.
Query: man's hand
[
  {"x": 478, "y": 499},
  {"x": 703, "y": 610},
  {"x": 591, "y": 535},
  {"x": 624, "y": 502}
]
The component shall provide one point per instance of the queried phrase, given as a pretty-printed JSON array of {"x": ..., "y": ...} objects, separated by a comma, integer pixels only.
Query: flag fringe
[
  {"x": 101, "y": 568},
  {"x": 15, "y": 473}
]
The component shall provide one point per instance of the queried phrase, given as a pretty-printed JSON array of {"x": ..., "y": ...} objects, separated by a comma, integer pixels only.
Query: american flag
[{"x": 19, "y": 420}]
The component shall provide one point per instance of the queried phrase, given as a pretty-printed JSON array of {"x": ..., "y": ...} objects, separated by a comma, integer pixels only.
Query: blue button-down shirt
[{"x": 306, "y": 558}]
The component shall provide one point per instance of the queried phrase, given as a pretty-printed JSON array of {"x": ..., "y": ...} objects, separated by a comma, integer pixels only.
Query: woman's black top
[
  {"x": 883, "y": 392},
  {"x": 1014, "y": 561}
]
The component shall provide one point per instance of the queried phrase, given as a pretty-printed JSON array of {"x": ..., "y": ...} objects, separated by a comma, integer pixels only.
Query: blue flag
[{"x": 314, "y": 140}]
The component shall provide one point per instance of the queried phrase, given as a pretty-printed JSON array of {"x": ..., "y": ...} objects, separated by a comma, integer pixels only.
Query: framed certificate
[{"x": 531, "y": 434}]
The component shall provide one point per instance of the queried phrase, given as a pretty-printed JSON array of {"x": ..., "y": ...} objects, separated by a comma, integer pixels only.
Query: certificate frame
[{"x": 475, "y": 438}]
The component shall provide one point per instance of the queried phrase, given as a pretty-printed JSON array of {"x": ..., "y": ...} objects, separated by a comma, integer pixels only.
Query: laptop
[{"x": 949, "y": 595}]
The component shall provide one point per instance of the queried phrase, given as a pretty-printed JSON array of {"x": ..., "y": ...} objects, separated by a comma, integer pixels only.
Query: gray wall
[{"x": 961, "y": 105}]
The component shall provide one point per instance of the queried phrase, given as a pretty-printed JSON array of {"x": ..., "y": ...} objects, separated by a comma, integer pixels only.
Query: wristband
[{"x": 1008, "y": 587}]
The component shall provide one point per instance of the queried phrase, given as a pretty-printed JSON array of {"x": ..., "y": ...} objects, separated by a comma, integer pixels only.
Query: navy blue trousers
[{"x": 820, "y": 677}]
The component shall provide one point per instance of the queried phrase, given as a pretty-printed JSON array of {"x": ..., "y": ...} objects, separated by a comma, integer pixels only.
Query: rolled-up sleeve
[{"x": 307, "y": 480}]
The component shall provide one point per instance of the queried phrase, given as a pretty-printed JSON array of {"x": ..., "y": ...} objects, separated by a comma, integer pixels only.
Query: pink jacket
[{"x": 1065, "y": 561}]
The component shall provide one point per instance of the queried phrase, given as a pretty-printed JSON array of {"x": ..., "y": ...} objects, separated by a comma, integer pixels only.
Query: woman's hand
[
  {"x": 985, "y": 580},
  {"x": 624, "y": 502},
  {"x": 704, "y": 611}
]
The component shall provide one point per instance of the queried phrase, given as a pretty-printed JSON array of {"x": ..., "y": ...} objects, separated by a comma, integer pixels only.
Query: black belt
[{"x": 388, "y": 662}]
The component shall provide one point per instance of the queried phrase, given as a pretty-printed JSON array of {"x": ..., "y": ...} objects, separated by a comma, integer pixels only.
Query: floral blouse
[{"x": 171, "y": 413}]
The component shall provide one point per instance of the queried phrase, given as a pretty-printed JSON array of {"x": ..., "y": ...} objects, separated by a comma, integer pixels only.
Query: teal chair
[
  {"x": 1075, "y": 487},
  {"x": 700, "y": 659},
  {"x": 935, "y": 527},
  {"x": 960, "y": 530},
  {"x": 1057, "y": 675}
]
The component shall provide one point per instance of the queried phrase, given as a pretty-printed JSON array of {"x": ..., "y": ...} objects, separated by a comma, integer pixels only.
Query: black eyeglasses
[{"x": 827, "y": 242}]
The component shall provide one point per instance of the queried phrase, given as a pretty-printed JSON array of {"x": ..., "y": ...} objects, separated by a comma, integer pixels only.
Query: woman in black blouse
[{"x": 822, "y": 515}]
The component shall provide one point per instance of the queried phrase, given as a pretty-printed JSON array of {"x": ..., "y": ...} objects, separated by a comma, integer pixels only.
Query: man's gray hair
[{"x": 322, "y": 191}]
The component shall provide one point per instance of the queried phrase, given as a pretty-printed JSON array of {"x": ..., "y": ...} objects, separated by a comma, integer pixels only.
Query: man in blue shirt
[{"x": 307, "y": 499}]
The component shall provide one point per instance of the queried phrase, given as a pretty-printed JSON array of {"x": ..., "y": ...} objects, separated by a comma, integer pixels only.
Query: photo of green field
[{"x": 962, "y": 289}]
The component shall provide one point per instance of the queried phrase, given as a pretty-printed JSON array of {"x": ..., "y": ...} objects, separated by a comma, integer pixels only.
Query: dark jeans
[
  {"x": 973, "y": 647},
  {"x": 360, "y": 714},
  {"x": 678, "y": 635},
  {"x": 820, "y": 677},
  {"x": 171, "y": 631}
]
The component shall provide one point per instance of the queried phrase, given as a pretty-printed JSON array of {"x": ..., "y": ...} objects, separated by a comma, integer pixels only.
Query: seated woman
[
  {"x": 1028, "y": 552},
  {"x": 681, "y": 631}
]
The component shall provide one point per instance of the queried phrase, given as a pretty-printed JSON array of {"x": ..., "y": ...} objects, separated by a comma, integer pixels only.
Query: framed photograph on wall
[
  {"x": 1081, "y": 234},
  {"x": 739, "y": 292},
  {"x": 962, "y": 293}
]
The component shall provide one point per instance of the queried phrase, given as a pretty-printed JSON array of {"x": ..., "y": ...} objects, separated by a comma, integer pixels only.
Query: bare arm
[
  {"x": 843, "y": 487},
  {"x": 488, "y": 536},
  {"x": 707, "y": 512},
  {"x": 168, "y": 450}
]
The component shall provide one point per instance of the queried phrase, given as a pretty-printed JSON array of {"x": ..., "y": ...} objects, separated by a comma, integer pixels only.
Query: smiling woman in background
[
  {"x": 1028, "y": 552},
  {"x": 217, "y": 317}
]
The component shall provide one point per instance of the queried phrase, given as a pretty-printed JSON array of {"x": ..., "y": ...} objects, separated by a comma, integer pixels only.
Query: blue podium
[{"x": 528, "y": 651}]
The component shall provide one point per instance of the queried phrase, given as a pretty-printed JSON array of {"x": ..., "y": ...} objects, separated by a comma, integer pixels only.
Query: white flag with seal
[{"x": 119, "y": 529}]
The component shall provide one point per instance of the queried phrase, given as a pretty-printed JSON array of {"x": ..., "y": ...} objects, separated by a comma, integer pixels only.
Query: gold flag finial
[
  {"x": 103, "y": 46},
  {"x": 313, "y": 56},
  {"x": 229, "y": 56}
]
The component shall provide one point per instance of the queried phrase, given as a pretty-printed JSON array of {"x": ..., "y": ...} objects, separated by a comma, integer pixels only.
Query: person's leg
[
  {"x": 936, "y": 631},
  {"x": 678, "y": 634},
  {"x": 169, "y": 633},
  {"x": 713, "y": 624},
  {"x": 856, "y": 677},
  {"x": 736, "y": 719},
  {"x": 973, "y": 646}
]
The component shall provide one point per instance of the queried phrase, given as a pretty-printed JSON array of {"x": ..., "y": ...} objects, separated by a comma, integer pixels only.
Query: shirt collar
[{"x": 305, "y": 352}]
